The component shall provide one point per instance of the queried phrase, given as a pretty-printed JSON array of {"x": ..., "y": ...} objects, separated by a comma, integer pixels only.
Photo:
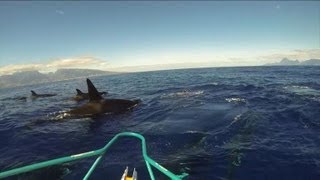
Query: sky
[{"x": 149, "y": 35}]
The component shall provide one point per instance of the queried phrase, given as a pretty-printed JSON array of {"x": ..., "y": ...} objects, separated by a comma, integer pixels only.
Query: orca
[
  {"x": 35, "y": 95},
  {"x": 97, "y": 105},
  {"x": 23, "y": 98},
  {"x": 83, "y": 96},
  {"x": 18, "y": 98}
]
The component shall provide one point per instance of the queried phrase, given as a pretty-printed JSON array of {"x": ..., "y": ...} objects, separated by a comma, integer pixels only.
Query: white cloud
[
  {"x": 77, "y": 62},
  {"x": 60, "y": 12},
  {"x": 298, "y": 54},
  {"x": 203, "y": 59},
  {"x": 74, "y": 62},
  {"x": 17, "y": 68},
  {"x": 147, "y": 62}
]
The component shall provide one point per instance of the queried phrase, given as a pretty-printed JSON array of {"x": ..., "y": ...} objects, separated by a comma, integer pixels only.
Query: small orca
[
  {"x": 19, "y": 98},
  {"x": 97, "y": 105},
  {"x": 35, "y": 95},
  {"x": 82, "y": 96}
]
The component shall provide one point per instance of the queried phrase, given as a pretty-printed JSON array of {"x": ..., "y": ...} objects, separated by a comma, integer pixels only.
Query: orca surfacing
[
  {"x": 35, "y": 95},
  {"x": 83, "y": 96},
  {"x": 98, "y": 105}
]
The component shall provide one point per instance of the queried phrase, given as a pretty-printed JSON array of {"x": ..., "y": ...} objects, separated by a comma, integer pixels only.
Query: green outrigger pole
[{"x": 99, "y": 152}]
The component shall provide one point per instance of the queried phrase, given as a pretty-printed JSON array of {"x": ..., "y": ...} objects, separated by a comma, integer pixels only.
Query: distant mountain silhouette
[
  {"x": 35, "y": 77},
  {"x": 311, "y": 62},
  {"x": 288, "y": 62}
]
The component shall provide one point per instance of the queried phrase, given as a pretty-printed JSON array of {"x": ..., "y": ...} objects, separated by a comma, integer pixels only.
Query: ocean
[{"x": 237, "y": 123}]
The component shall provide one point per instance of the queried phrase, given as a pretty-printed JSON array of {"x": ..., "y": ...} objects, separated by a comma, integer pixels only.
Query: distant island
[
  {"x": 35, "y": 77},
  {"x": 288, "y": 62}
]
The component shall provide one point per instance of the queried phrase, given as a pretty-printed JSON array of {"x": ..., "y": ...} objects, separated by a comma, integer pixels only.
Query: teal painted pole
[
  {"x": 99, "y": 152},
  {"x": 93, "y": 167},
  {"x": 48, "y": 163},
  {"x": 150, "y": 170}
]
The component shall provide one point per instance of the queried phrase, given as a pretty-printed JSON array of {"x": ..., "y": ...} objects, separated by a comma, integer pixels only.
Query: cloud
[
  {"x": 298, "y": 54},
  {"x": 169, "y": 61},
  {"x": 74, "y": 62},
  {"x": 18, "y": 68},
  {"x": 225, "y": 59},
  {"x": 60, "y": 12},
  {"x": 86, "y": 62},
  {"x": 159, "y": 67}
]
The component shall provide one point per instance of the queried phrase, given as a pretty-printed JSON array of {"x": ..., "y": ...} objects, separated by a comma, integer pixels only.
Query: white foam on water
[
  {"x": 302, "y": 90},
  {"x": 235, "y": 119},
  {"x": 235, "y": 100},
  {"x": 184, "y": 93}
]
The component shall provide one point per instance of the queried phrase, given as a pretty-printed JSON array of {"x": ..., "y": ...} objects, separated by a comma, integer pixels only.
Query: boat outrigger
[{"x": 100, "y": 152}]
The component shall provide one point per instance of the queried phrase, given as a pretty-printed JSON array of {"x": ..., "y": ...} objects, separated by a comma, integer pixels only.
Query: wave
[
  {"x": 184, "y": 93},
  {"x": 236, "y": 100},
  {"x": 302, "y": 90}
]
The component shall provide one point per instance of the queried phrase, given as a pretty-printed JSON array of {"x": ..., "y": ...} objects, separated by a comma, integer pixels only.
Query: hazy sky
[{"x": 117, "y": 35}]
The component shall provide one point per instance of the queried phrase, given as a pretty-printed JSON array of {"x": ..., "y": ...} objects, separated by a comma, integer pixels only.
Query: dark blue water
[{"x": 215, "y": 123}]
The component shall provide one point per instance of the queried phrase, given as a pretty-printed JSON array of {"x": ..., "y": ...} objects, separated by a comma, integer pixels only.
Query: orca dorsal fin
[
  {"x": 34, "y": 93},
  {"x": 93, "y": 92},
  {"x": 79, "y": 92}
]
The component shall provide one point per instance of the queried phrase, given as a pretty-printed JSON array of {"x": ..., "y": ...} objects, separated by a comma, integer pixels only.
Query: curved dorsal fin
[
  {"x": 79, "y": 92},
  {"x": 103, "y": 93},
  {"x": 93, "y": 92},
  {"x": 34, "y": 93}
]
